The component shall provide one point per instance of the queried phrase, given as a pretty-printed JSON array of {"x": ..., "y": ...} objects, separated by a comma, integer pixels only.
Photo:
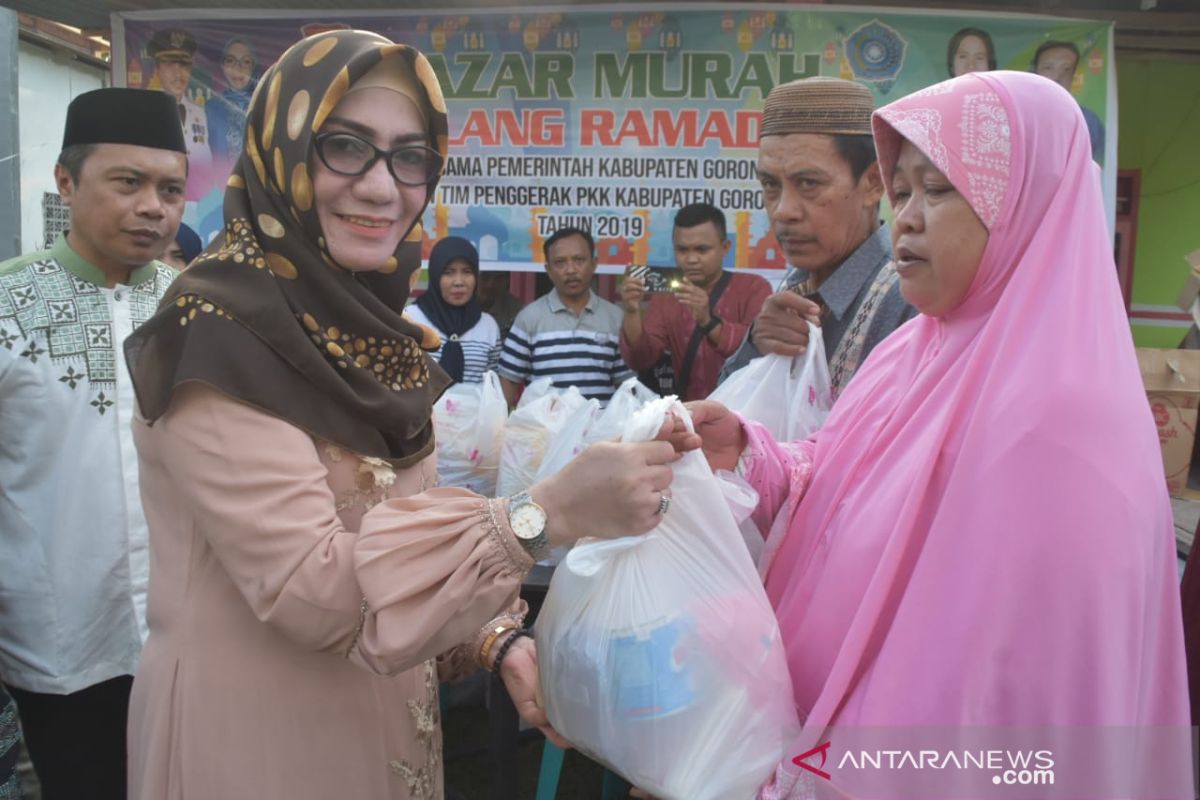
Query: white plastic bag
[
  {"x": 742, "y": 500},
  {"x": 569, "y": 440},
  {"x": 529, "y": 432},
  {"x": 789, "y": 396},
  {"x": 468, "y": 425},
  {"x": 590, "y": 424},
  {"x": 536, "y": 390},
  {"x": 586, "y": 425},
  {"x": 626, "y": 401},
  {"x": 659, "y": 655}
]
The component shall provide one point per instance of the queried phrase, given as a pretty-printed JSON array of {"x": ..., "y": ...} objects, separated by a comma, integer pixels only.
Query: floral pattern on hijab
[
  {"x": 266, "y": 315},
  {"x": 981, "y": 142}
]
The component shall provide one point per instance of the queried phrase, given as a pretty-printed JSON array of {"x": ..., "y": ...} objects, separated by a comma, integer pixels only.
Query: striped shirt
[
  {"x": 480, "y": 345},
  {"x": 548, "y": 339}
]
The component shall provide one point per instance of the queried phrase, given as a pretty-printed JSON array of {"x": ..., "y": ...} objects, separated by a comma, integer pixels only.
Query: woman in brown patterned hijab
[
  {"x": 285, "y": 311},
  {"x": 310, "y": 587}
]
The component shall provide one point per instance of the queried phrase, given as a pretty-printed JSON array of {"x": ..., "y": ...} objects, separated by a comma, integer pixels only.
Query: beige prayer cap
[{"x": 818, "y": 105}]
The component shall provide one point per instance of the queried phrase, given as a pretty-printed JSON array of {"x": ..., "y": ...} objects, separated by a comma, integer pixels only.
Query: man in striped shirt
[{"x": 568, "y": 334}]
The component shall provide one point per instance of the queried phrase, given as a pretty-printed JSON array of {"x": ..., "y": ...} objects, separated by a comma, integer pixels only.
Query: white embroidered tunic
[{"x": 73, "y": 541}]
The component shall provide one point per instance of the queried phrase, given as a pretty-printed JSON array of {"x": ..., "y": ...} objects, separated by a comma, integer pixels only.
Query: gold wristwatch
[{"x": 528, "y": 521}]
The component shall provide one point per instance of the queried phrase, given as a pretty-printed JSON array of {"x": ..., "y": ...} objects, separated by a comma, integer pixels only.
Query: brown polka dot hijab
[{"x": 266, "y": 315}]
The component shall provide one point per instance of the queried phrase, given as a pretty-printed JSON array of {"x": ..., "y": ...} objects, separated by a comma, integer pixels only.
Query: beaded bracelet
[{"x": 504, "y": 648}]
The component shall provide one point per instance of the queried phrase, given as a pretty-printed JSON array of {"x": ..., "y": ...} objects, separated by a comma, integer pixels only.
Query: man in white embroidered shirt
[
  {"x": 75, "y": 560},
  {"x": 568, "y": 334}
]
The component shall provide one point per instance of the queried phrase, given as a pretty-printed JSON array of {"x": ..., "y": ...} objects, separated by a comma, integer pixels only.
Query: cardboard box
[{"x": 1172, "y": 380}]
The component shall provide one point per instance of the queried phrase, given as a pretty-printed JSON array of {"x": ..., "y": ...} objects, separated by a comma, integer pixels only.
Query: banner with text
[{"x": 605, "y": 119}]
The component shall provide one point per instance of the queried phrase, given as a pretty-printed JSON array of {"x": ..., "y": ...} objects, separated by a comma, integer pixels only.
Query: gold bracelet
[{"x": 496, "y": 632}]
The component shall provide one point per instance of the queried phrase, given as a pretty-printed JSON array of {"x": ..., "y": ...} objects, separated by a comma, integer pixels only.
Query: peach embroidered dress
[
  {"x": 303, "y": 599},
  {"x": 300, "y": 598}
]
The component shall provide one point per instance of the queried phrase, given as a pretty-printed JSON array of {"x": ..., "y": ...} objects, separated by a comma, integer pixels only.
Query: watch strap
[{"x": 539, "y": 546}]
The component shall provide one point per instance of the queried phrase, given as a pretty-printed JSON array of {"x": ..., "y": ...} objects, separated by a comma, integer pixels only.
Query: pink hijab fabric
[{"x": 987, "y": 539}]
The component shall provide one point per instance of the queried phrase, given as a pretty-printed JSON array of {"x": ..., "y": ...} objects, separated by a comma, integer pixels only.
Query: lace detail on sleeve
[{"x": 502, "y": 537}]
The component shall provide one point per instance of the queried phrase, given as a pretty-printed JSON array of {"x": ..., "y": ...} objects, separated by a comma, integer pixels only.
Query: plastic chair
[{"x": 613, "y": 786}]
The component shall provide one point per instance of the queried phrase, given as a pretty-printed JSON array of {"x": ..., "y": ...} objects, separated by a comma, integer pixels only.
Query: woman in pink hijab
[{"x": 980, "y": 538}]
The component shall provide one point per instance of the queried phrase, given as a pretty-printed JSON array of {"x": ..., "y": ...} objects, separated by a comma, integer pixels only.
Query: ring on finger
[{"x": 664, "y": 503}]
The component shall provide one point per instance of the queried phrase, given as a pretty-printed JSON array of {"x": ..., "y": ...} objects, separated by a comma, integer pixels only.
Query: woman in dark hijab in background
[{"x": 470, "y": 336}]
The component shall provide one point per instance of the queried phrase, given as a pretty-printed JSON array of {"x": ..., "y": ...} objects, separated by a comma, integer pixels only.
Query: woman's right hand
[
  {"x": 722, "y": 438},
  {"x": 609, "y": 490}
]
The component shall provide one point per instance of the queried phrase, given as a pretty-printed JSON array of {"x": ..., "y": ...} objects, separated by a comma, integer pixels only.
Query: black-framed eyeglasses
[{"x": 347, "y": 154}]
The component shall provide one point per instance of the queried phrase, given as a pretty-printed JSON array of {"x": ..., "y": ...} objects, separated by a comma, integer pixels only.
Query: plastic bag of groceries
[
  {"x": 531, "y": 428},
  {"x": 789, "y": 396},
  {"x": 626, "y": 401},
  {"x": 570, "y": 439},
  {"x": 742, "y": 499},
  {"x": 590, "y": 424},
  {"x": 660, "y": 656},
  {"x": 536, "y": 390},
  {"x": 468, "y": 425}
]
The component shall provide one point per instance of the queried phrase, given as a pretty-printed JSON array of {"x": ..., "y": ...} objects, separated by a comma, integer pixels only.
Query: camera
[{"x": 653, "y": 279}]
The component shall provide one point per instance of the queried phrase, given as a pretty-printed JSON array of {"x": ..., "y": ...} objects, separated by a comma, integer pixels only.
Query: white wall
[{"x": 47, "y": 80}]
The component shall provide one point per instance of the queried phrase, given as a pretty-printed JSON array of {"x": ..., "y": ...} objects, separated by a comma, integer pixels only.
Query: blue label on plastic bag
[{"x": 651, "y": 673}]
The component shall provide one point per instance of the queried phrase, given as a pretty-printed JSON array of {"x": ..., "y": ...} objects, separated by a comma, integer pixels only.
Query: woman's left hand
[
  {"x": 520, "y": 675},
  {"x": 719, "y": 431},
  {"x": 675, "y": 431}
]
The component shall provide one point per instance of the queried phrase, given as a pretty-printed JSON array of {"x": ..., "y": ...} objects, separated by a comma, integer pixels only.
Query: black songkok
[{"x": 141, "y": 117}]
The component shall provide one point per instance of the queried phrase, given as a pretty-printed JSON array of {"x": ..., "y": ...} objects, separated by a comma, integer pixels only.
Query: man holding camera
[{"x": 704, "y": 318}]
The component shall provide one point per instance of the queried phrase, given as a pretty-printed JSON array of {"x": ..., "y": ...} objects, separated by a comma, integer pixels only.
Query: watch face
[{"x": 528, "y": 522}]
